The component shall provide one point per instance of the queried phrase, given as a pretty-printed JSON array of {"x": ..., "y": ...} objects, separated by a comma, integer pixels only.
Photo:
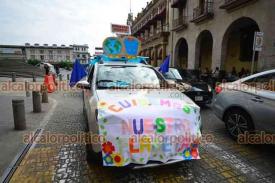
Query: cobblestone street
[{"x": 221, "y": 161}]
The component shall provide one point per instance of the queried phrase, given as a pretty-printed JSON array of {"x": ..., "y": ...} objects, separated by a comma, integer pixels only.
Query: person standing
[
  {"x": 215, "y": 76},
  {"x": 49, "y": 80}
]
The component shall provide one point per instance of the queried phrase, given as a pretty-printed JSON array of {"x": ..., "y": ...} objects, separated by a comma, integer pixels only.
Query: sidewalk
[{"x": 11, "y": 141}]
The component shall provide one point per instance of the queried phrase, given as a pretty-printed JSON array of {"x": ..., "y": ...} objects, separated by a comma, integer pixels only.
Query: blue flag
[
  {"x": 78, "y": 73},
  {"x": 164, "y": 68}
]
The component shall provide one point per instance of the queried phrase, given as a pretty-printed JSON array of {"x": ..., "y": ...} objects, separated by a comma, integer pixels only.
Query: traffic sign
[{"x": 258, "y": 41}]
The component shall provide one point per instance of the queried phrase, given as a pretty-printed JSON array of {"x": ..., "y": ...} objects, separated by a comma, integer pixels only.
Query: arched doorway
[
  {"x": 237, "y": 45},
  {"x": 204, "y": 46},
  {"x": 181, "y": 54}
]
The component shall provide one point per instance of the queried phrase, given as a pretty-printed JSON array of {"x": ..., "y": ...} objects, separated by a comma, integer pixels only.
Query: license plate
[{"x": 198, "y": 98}]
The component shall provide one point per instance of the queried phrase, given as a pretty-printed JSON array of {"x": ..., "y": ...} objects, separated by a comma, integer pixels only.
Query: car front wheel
[
  {"x": 91, "y": 156},
  {"x": 238, "y": 122}
]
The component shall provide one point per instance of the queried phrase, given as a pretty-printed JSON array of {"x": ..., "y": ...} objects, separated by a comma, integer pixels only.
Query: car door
[
  {"x": 262, "y": 102},
  {"x": 88, "y": 95}
]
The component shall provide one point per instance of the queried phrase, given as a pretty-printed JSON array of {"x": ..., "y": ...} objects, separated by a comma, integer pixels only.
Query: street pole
[
  {"x": 19, "y": 116},
  {"x": 27, "y": 88},
  {"x": 36, "y": 101}
]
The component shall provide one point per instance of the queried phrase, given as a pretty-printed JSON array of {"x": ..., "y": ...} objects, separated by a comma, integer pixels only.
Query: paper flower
[
  {"x": 118, "y": 159},
  {"x": 187, "y": 109},
  {"x": 194, "y": 153},
  {"x": 102, "y": 104},
  {"x": 108, "y": 148},
  {"x": 108, "y": 159}
]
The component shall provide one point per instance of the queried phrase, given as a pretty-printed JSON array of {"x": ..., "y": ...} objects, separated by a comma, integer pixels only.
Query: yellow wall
[
  {"x": 182, "y": 62},
  {"x": 206, "y": 56},
  {"x": 233, "y": 54}
]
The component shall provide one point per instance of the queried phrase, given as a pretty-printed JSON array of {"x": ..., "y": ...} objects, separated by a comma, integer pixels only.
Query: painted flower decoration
[
  {"x": 118, "y": 159},
  {"x": 187, "y": 154},
  {"x": 187, "y": 109},
  {"x": 194, "y": 153},
  {"x": 108, "y": 148},
  {"x": 108, "y": 159},
  {"x": 102, "y": 104}
]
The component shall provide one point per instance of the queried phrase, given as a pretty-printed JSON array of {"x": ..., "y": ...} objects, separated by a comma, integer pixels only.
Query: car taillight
[{"x": 218, "y": 89}]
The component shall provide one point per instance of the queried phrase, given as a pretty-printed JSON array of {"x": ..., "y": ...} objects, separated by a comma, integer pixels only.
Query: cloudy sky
[{"x": 62, "y": 21}]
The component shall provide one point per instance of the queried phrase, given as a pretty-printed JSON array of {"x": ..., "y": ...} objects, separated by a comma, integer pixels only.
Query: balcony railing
[
  {"x": 162, "y": 36},
  {"x": 153, "y": 11},
  {"x": 179, "y": 23},
  {"x": 178, "y": 3},
  {"x": 232, "y": 4},
  {"x": 202, "y": 13}
]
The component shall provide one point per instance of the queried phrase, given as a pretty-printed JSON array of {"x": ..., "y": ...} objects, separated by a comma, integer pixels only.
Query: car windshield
[
  {"x": 113, "y": 76},
  {"x": 188, "y": 75},
  {"x": 173, "y": 74}
]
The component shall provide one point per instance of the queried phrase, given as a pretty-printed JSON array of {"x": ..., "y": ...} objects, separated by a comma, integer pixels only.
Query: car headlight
[{"x": 209, "y": 88}]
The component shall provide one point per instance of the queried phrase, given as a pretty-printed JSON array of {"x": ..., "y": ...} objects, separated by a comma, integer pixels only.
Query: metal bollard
[
  {"x": 18, "y": 107},
  {"x": 60, "y": 77},
  {"x": 33, "y": 77},
  {"x": 44, "y": 92},
  {"x": 27, "y": 89},
  {"x": 13, "y": 76},
  {"x": 36, "y": 101},
  {"x": 68, "y": 77}
]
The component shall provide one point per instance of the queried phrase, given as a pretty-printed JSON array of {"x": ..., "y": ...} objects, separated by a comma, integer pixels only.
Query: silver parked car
[{"x": 248, "y": 104}]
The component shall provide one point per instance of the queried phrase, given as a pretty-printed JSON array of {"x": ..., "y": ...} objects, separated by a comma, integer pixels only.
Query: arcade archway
[
  {"x": 204, "y": 46},
  {"x": 237, "y": 45},
  {"x": 181, "y": 54}
]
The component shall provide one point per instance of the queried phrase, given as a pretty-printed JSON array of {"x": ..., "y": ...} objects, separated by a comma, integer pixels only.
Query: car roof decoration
[{"x": 117, "y": 49}]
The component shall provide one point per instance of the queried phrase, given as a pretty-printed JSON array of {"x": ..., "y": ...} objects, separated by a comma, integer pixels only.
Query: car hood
[
  {"x": 153, "y": 94},
  {"x": 194, "y": 87},
  {"x": 133, "y": 122}
]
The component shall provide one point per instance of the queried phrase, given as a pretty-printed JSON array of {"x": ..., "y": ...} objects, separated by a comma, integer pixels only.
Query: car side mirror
[{"x": 83, "y": 85}]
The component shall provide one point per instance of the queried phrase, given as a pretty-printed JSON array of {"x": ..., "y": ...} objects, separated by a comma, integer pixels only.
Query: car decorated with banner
[{"x": 133, "y": 119}]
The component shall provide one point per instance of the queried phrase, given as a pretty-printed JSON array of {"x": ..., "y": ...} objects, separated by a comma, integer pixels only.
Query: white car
[{"x": 133, "y": 117}]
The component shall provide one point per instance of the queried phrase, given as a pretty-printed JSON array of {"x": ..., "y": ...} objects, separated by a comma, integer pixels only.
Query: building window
[
  {"x": 41, "y": 57},
  {"x": 50, "y": 52},
  {"x": 32, "y": 57},
  {"x": 67, "y": 57},
  {"x": 41, "y": 51},
  {"x": 51, "y": 57},
  {"x": 59, "y": 51},
  {"x": 32, "y": 51}
]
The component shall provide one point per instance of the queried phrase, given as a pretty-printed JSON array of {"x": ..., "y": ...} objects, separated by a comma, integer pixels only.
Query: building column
[
  {"x": 266, "y": 59},
  {"x": 191, "y": 54},
  {"x": 217, "y": 54},
  {"x": 164, "y": 53}
]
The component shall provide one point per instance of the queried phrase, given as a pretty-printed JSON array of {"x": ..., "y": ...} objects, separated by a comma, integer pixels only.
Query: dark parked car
[{"x": 199, "y": 91}]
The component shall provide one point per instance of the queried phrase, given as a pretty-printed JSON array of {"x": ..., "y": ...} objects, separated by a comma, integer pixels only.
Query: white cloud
[{"x": 62, "y": 21}]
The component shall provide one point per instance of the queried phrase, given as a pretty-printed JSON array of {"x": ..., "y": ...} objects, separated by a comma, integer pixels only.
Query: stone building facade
[
  {"x": 151, "y": 27},
  {"x": 46, "y": 53},
  {"x": 200, "y": 34},
  {"x": 220, "y": 33},
  {"x": 49, "y": 53},
  {"x": 81, "y": 52}
]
